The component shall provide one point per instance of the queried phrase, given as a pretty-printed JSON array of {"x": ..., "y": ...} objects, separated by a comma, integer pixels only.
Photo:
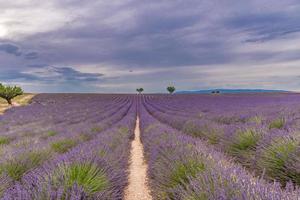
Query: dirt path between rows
[
  {"x": 18, "y": 101},
  {"x": 137, "y": 188}
]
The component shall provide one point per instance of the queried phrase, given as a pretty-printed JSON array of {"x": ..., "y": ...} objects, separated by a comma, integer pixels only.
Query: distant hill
[{"x": 228, "y": 91}]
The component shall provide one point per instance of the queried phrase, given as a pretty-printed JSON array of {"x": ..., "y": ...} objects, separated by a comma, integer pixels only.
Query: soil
[{"x": 137, "y": 188}]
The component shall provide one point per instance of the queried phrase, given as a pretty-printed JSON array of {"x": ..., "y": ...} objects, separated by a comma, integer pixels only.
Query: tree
[
  {"x": 215, "y": 92},
  {"x": 140, "y": 90},
  {"x": 171, "y": 89},
  {"x": 9, "y": 92}
]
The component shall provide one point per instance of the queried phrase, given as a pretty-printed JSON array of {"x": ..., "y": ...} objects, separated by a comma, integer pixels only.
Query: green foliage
[
  {"x": 183, "y": 170},
  {"x": 16, "y": 167},
  {"x": 275, "y": 156},
  {"x": 256, "y": 119},
  {"x": 213, "y": 137},
  {"x": 9, "y": 92},
  {"x": 150, "y": 127},
  {"x": 191, "y": 128},
  {"x": 88, "y": 175},
  {"x": 63, "y": 146},
  {"x": 102, "y": 153},
  {"x": 277, "y": 123},
  {"x": 196, "y": 196},
  {"x": 140, "y": 90},
  {"x": 51, "y": 133},
  {"x": 229, "y": 120},
  {"x": 243, "y": 141},
  {"x": 205, "y": 132},
  {"x": 5, "y": 140},
  {"x": 96, "y": 129},
  {"x": 171, "y": 89},
  {"x": 243, "y": 145},
  {"x": 85, "y": 137},
  {"x": 124, "y": 130},
  {"x": 179, "y": 176}
]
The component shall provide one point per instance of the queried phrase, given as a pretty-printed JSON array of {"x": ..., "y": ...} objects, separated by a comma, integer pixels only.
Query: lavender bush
[
  {"x": 78, "y": 141},
  {"x": 181, "y": 167},
  {"x": 197, "y": 147}
]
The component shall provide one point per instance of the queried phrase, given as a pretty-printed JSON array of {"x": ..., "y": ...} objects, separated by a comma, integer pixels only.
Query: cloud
[
  {"x": 37, "y": 65},
  {"x": 31, "y": 55},
  {"x": 10, "y": 49},
  {"x": 153, "y": 38},
  {"x": 136, "y": 37},
  {"x": 16, "y": 51},
  {"x": 69, "y": 74},
  {"x": 50, "y": 74},
  {"x": 11, "y": 75},
  {"x": 266, "y": 26}
]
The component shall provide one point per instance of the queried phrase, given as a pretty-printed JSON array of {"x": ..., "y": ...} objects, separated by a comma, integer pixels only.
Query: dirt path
[
  {"x": 18, "y": 101},
  {"x": 137, "y": 188}
]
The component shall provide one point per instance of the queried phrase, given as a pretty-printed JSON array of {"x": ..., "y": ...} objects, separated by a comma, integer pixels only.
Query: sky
[{"x": 118, "y": 46}]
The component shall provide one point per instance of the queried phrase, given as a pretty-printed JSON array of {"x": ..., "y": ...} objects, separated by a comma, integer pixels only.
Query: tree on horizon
[
  {"x": 140, "y": 90},
  {"x": 171, "y": 89}
]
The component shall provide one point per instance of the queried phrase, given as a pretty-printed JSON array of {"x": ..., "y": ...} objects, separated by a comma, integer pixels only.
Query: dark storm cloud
[{"x": 10, "y": 49}]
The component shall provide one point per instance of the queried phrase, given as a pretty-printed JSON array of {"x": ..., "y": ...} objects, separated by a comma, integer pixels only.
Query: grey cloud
[
  {"x": 10, "y": 49},
  {"x": 31, "y": 55},
  {"x": 14, "y": 75},
  {"x": 156, "y": 34},
  {"x": 17, "y": 51},
  {"x": 266, "y": 26},
  {"x": 51, "y": 74},
  {"x": 164, "y": 34},
  {"x": 37, "y": 65},
  {"x": 69, "y": 74},
  {"x": 152, "y": 42}
]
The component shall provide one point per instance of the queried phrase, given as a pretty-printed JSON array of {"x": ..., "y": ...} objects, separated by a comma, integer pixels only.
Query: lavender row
[
  {"x": 42, "y": 139},
  {"x": 270, "y": 150},
  {"x": 267, "y": 106},
  {"x": 22, "y": 160},
  {"x": 43, "y": 131},
  {"x": 93, "y": 170},
  {"x": 182, "y": 168},
  {"x": 45, "y": 115}
]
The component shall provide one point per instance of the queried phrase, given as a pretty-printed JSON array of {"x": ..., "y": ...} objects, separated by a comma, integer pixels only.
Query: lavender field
[
  {"x": 196, "y": 147},
  {"x": 67, "y": 147}
]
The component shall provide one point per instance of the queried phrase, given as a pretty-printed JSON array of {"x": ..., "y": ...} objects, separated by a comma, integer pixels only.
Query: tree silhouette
[
  {"x": 139, "y": 90},
  {"x": 171, "y": 89}
]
